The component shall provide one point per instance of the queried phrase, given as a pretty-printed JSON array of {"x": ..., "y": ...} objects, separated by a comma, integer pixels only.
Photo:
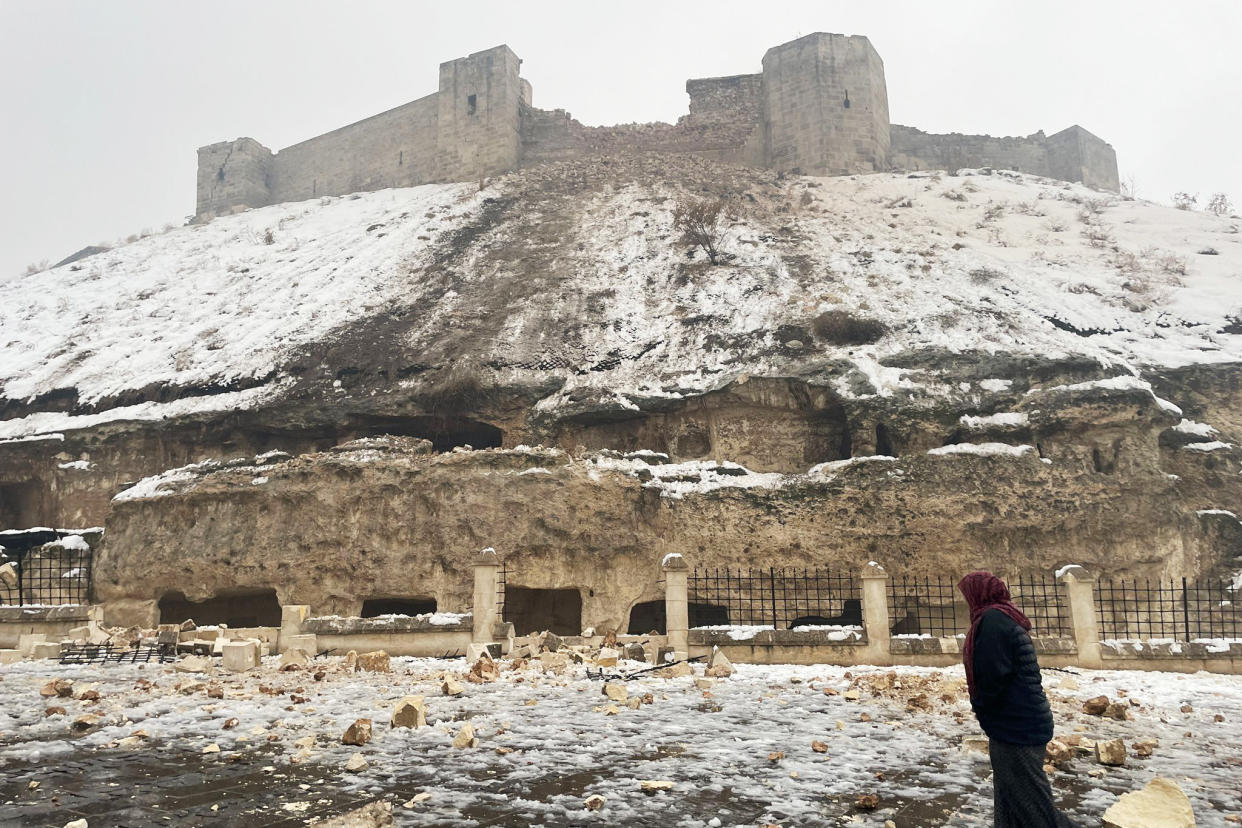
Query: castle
[{"x": 819, "y": 107}]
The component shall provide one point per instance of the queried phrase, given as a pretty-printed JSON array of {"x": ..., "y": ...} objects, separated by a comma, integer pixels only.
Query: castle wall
[
  {"x": 1070, "y": 155},
  {"x": 232, "y": 174},
  {"x": 478, "y": 120},
  {"x": 396, "y": 148},
  {"x": 468, "y": 129},
  {"x": 557, "y": 136},
  {"x": 1076, "y": 155},
  {"x": 820, "y": 106},
  {"x": 735, "y": 96},
  {"x": 825, "y": 106}
]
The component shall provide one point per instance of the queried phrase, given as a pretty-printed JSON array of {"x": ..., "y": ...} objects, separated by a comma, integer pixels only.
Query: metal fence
[
  {"x": 501, "y": 610},
  {"x": 782, "y": 598},
  {"x": 923, "y": 606},
  {"x": 1043, "y": 601},
  {"x": 1182, "y": 610},
  {"x": 46, "y": 575}
]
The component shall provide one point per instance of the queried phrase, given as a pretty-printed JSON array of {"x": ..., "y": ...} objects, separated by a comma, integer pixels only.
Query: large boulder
[{"x": 1161, "y": 804}]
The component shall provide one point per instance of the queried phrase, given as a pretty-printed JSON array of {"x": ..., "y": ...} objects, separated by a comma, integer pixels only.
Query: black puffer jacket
[{"x": 1009, "y": 699}]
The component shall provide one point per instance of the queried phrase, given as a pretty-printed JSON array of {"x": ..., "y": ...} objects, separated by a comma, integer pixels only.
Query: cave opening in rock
[
  {"x": 1104, "y": 464},
  {"x": 21, "y": 505},
  {"x": 444, "y": 432},
  {"x": 374, "y": 607},
  {"x": 708, "y": 615},
  {"x": 241, "y": 607},
  {"x": 884, "y": 441},
  {"x": 648, "y": 617},
  {"x": 534, "y": 610}
]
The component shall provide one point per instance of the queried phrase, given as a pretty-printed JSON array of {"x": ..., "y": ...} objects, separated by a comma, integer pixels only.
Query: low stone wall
[
  {"x": 787, "y": 646},
  {"x": 1172, "y": 656},
  {"x": 396, "y": 635},
  {"x": 54, "y": 622}
]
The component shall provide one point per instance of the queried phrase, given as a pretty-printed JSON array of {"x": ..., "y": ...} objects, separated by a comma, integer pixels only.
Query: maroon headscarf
[{"x": 984, "y": 591}]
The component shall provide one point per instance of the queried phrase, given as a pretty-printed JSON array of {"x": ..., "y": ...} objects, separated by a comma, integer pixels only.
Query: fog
[{"x": 104, "y": 104}]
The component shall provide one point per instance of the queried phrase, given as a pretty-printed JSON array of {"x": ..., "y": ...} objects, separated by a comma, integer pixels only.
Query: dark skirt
[{"x": 1020, "y": 787}]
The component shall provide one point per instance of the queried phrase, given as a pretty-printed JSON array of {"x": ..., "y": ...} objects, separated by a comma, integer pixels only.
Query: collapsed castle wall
[{"x": 1073, "y": 154}]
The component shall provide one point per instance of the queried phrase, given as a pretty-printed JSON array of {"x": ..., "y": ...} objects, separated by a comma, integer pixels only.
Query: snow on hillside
[
  {"x": 217, "y": 302},
  {"x": 594, "y": 285}
]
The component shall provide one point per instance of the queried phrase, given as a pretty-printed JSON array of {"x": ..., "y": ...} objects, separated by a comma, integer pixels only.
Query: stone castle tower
[{"x": 819, "y": 107}]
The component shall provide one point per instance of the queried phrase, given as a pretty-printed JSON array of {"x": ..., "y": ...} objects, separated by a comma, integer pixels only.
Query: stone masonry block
[
  {"x": 240, "y": 656},
  {"x": 45, "y": 649}
]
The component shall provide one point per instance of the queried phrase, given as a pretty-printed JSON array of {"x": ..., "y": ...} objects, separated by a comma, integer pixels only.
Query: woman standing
[{"x": 1008, "y": 698}]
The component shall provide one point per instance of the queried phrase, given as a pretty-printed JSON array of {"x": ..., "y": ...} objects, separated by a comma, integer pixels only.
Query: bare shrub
[
  {"x": 991, "y": 213},
  {"x": 1185, "y": 201},
  {"x": 1057, "y": 226},
  {"x": 1127, "y": 262},
  {"x": 1092, "y": 207},
  {"x": 1219, "y": 205},
  {"x": 268, "y": 236},
  {"x": 1170, "y": 263},
  {"x": 985, "y": 275},
  {"x": 1028, "y": 208},
  {"x": 459, "y": 390},
  {"x": 1097, "y": 235},
  {"x": 954, "y": 195},
  {"x": 702, "y": 224},
  {"x": 36, "y": 267},
  {"x": 839, "y": 327}
]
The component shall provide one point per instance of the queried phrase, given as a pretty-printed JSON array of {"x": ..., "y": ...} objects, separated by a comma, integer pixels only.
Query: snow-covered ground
[
  {"x": 546, "y": 742},
  {"x": 218, "y": 302}
]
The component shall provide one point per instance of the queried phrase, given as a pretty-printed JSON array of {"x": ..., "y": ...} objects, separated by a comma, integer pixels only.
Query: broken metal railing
[
  {"x": 111, "y": 653},
  {"x": 600, "y": 675}
]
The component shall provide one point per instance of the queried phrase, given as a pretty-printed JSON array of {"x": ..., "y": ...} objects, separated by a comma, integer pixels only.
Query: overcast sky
[{"x": 104, "y": 103}]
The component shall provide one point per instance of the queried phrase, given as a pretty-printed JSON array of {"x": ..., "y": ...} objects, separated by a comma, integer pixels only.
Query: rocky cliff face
[
  {"x": 1078, "y": 475},
  {"x": 849, "y": 317}
]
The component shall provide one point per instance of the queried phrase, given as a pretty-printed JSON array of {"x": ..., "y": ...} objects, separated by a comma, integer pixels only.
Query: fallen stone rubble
[{"x": 1095, "y": 736}]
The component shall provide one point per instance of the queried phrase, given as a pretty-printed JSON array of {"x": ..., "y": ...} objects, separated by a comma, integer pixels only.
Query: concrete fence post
[
  {"x": 677, "y": 603},
  {"x": 875, "y": 613},
  {"x": 486, "y": 605},
  {"x": 291, "y": 618},
  {"x": 1080, "y": 594}
]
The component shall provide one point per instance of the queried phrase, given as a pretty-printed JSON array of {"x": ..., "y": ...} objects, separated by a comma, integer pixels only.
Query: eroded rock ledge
[{"x": 1076, "y": 475}]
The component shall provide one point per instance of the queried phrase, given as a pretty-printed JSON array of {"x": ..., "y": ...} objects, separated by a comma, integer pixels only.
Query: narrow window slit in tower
[
  {"x": 472, "y": 104},
  {"x": 847, "y": 99}
]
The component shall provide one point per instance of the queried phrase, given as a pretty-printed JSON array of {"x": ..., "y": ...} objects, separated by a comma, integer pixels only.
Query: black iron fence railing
[
  {"x": 502, "y": 611},
  {"x": 47, "y": 575},
  {"x": 925, "y": 606},
  {"x": 782, "y": 598},
  {"x": 1043, "y": 601},
  {"x": 1178, "y": 609}
]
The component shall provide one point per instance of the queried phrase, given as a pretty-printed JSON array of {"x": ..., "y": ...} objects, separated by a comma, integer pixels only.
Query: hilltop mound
[{"x": 558, "y": 305}]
